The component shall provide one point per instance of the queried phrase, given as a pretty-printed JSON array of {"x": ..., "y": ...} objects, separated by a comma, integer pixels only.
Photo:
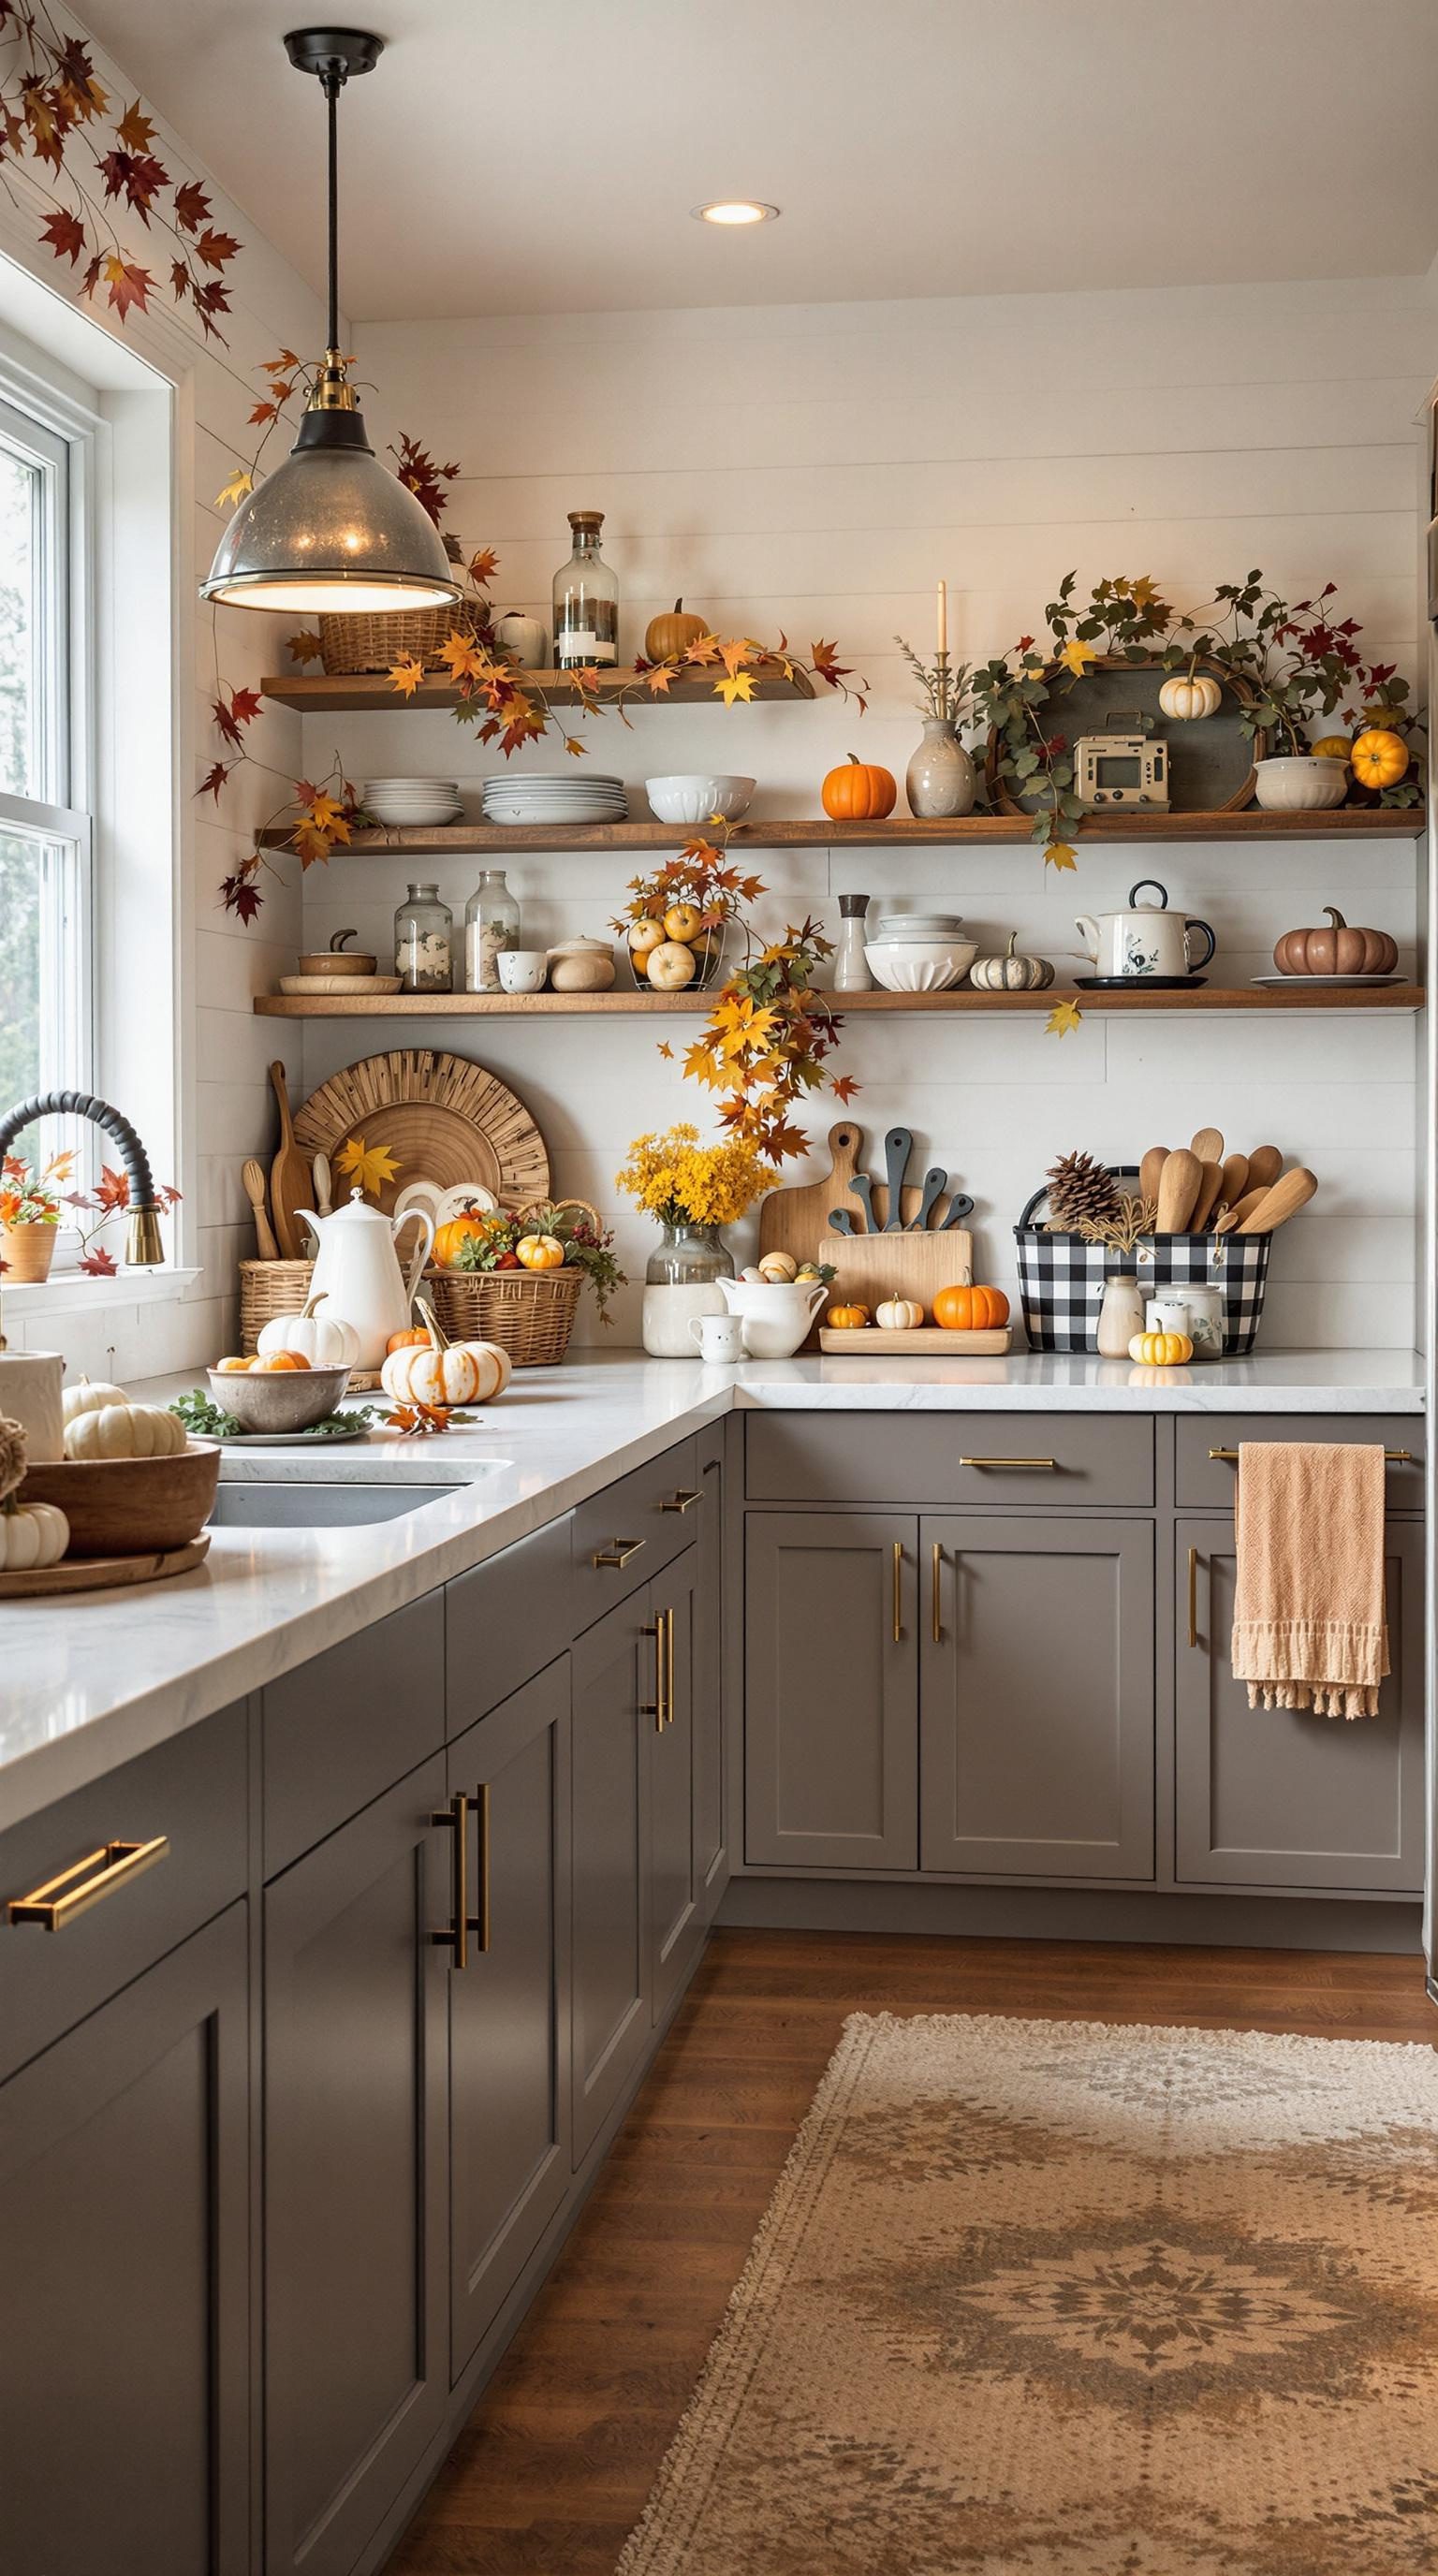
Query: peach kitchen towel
[{"x": 1308, "y": 1623}]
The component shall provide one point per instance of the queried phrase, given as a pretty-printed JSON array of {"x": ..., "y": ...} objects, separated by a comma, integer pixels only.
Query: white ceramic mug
[
  {"x": 1207, "y": 1319},
  {"x": 1168, "y": 1314},
  {"x": 720, "y": 1337},
  {"x": 522, "y": 970}
]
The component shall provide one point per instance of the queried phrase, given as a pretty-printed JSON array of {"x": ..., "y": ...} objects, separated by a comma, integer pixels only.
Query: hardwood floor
[{"x": 553, "y": 2469}]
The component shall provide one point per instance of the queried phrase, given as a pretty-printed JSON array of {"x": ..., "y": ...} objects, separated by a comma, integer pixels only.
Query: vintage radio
[{"x": 1120, "y": 769}]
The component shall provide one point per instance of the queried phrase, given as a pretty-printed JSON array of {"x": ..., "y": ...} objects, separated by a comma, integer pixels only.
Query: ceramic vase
[
  {"x": 940, "y": 779},
  {"x": 681, "y": 1281}
]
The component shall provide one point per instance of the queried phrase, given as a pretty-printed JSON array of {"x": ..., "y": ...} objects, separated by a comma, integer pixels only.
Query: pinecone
[{"x": 1080, "y": 1188}]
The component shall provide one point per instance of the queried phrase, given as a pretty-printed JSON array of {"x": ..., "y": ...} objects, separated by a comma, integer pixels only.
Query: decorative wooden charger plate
[
  {"x": 439, "y": 1118},
  {"x": 104, "y": 1573}
]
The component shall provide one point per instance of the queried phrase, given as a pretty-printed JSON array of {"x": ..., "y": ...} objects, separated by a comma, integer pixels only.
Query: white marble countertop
[{"x": 92, "y": 1680}]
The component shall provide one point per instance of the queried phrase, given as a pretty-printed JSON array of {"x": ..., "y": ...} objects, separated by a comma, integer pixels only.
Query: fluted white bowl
[
  {"x": 692, "y": 798},
  {"x": 911, "y": 967}
]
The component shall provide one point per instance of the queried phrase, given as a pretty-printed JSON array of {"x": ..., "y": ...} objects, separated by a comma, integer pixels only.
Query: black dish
[{"x": 1138, "y": 983}]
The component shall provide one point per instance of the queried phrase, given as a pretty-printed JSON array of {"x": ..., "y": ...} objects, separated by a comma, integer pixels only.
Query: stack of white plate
[
  {"x": 412, "y": 801},
  {"x": 920, "y": 952},
  {"x": 555, "y": 796},
  {"x": 919, "y": 925}
]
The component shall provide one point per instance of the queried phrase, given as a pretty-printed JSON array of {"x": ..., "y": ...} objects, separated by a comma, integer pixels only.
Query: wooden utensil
[
  {"x": 1235, "y": 1216},
  {"x": 289, "y": 1173},
  {"x": 253, "y": 1176},
  {"x": 1264, "y": 1165},
  {"x": 320, "y": 1169},
  {"x": 1235, "y": 1180},
  {"x": 1178, "y": 1188},
  {"x": 1208, "y": 1194},
  {"x": 1208, "y": 1145},
  {"x": 1281, "y": 1201},
  {"x": 1150, "y": 1171}
]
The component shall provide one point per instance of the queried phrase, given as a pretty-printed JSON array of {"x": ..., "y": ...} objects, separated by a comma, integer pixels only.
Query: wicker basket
[
  {"x": 530, "y": 1313},
  {"x": 352, "y": 646},
  {"x": 267, "y": 1289}
]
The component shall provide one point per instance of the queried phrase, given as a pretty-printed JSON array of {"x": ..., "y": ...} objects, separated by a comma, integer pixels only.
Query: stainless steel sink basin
[{"x": 245, "y": 1505}]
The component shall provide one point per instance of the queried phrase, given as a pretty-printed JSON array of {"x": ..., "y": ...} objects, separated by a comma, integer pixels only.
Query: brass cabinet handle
[
  {"x": 85, "y": 1882},
  {"x": 898, "y": 1592},
  {"x": 1051, "y": 1463},
  {"x": 655, "y": 1708},
  {"x": 481, "y": 1798},
  {"x": 455, "y": 1820},
  {"x": 618, "y": 1552},
  {"x": 1193, "y": 1596},
  {"x": 681, "y": 1501},
  {"x": 937, "y": 1575},
  {"x": 669, "y": 1661},
  {"x": 1393, "y": 1457}
]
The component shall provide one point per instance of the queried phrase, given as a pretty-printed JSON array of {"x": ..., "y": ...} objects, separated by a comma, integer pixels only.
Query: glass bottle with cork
[{"x": 586, "y": 601}]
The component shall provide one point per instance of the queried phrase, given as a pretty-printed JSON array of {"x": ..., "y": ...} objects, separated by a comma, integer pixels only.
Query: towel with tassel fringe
[{"x": 1309, "y": 1630}]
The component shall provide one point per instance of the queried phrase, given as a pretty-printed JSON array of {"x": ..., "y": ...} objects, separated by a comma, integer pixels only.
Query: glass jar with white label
[
  {"x": 586, "y": 601},
  {"x": 423, "y": 929}
]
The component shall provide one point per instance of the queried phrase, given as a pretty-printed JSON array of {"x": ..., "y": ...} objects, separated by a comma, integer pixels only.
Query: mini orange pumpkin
[
  {"x": 847, "y": 1319},
  {"x": 412, "y": 1335},
  {"x": 472, "y": 1226},
  {"x": 272, "y": 1362},
  {"x": 858, "y": 792},
  {"x": 971, "y": 1310},
  {"x": 1379, "y": 757}
]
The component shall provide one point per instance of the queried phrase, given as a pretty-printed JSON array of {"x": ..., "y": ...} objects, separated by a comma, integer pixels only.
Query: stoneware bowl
[
  {"x": 130, "y": 1506},
  {"x": 692, "y": 798},
  {"x": 1299, "y": 783},
  {"x": 278, "y": 1399},
  {"x": 918, "y": 966},
  {"x": 336, "y": 961}
]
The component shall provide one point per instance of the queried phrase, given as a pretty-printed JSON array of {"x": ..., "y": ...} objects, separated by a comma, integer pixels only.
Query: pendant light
[{"x": 332, "y": 528}]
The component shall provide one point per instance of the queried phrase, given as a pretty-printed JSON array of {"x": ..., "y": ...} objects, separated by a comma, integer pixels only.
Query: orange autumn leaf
[
  {"x": 483, "y": 567},
  {"x": 406, "y": 676},
  {"x": 739, "y": 684},
  {"x": 305, "y": 647}
]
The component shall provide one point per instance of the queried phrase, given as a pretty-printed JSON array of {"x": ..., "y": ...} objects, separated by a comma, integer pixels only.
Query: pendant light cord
[{"x": 333, "y": 79}]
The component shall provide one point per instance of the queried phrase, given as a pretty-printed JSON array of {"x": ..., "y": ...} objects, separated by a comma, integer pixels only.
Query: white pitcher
[
  {"x": 357, "y": 1270},
  {"x": 774, "y": 1314}
]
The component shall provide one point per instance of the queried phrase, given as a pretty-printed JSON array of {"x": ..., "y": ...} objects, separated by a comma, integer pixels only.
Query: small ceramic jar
[
  {"x": 1207, "y": 1319},
  {"x": 1170, "y": 1313}
]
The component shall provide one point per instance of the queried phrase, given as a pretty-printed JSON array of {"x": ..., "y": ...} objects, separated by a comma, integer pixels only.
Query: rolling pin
[
  {"x": 1208, "y": 1195},
  {"x": 1178, "y": 1189},
  {"x": 1150, "y": 1171},
  {"x": 1264, "y": 1165},
  {"x": 1281, "y": 1202}
]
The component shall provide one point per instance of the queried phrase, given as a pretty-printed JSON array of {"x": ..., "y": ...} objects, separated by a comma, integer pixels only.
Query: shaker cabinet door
[
  {"x": 711, "y": 1852},
  {"x": 1276, "y": 1797},
  {"x": 831, "y": 1704},
  {"x": 1037, "y": 1690},
  {"x": 613, "y": 1670}
]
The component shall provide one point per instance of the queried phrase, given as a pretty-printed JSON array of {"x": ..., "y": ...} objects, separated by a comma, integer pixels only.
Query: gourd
[
  {"x": 277, "y": 1363},
  {"x": 445, "y": 1373},
  {"x": 1161, "y": 1350},
  {"x": 779, "y": 1268},
  {"x": 847, "y": 1319},
  {"x": 412, "y": 1335},
  {"x": 125, "y": 1431},
  {"x": 326, "y": 1341},
  {"x": 31, "y": 1535},
  {"x": 858, "y": 792},
  {"x": 671, "y": 965},
  {"x": 1379, "y": 758},
  {"x": 451, "y": 1237},
  {"x": 898, "y": 1315},
  {"x": 971, "y": 1310},
  {"x": 669, "y": 635},
  {"x": 1334, "y": 746},
  {"x": 1190, "y": 696},
  {"x": 1338, "y": 950},
  {"x": 90, "y": 1396},
  {"x": 540, "y": 1252},
  {"x": 1011, "y": 973}
]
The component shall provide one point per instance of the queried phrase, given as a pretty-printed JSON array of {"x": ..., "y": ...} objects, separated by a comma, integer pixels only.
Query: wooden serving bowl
[{"x": 129, "y": 1506}]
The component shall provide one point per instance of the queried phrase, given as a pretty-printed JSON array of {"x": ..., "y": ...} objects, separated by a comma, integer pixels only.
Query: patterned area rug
[{"x": 1081, "y": 2300}]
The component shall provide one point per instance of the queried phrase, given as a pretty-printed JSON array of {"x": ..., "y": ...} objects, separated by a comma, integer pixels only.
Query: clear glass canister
[
  {"x": 586, "y": 600},
  {"x": 491, "y": 923},
  {"x": 679, "y": 1283},
  {"x": 423, "y": 937}
]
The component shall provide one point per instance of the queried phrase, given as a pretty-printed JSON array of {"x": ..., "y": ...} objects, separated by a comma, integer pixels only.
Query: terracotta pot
[
  {"x": 27, "y": 1252},
  {"x": 129, "y": 1506}
]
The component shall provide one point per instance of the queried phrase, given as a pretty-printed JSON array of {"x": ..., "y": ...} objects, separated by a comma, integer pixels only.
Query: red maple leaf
[
  {"x": 844, "y": 1087},
  {"x": 135, "y": 176},
  {"x": 240, "y": 896},
  {"x": 100, "y": 1265},
  {"x": 192, "y": 206},
  {"x": 215, "y": 248},
  {"x": 65, "y": 234},
  {"x": 230, "y": 721},
  {"x": 213, "y": 780},
  {"x": 128, "y": 285},
  {"x": 112, "y": 1190}
]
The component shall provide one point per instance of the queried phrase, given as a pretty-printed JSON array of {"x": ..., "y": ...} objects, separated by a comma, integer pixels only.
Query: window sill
[{"x": 70, "y": 1289}]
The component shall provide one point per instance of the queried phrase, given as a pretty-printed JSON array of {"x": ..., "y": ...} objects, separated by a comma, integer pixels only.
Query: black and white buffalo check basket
[{"x": 1061, "y": 1279}]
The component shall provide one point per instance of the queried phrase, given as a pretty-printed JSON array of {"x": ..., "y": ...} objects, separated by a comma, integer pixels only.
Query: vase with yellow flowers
[{"x": 694, "y": 1191}]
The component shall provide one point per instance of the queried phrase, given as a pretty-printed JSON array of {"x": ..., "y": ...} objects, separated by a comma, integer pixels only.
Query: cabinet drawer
[
  {"x": 193, "y": 1792},
  {"x": 341, "y": 1730},
  {"x": 504, "y": 1622},
  {"x": 887, "y": 1458},
  {"x": 1202, "y": 1479},
  {"x": 645, "y": 1519}
]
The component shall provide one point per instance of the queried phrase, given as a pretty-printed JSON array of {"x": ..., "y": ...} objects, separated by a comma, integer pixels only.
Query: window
[{"x": 45, "y": 824}]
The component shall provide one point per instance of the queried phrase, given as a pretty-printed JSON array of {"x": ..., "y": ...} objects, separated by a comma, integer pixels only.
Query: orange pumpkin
[
  {"x": 412, "y": 1335},
  {"x": 274, "y": 1361},
  {"x": 471, "y": 1227},
  {"x": 970, "y": 1310},
  {"x": 1380, "y": 757},
  {"x": 858, "y": 792},
  {"x": 231, "y": 1365},
  {"x": 540, "y": 1252},
  {"x": 666, "y": 637},
  {"x": 847, "y": 1319}
]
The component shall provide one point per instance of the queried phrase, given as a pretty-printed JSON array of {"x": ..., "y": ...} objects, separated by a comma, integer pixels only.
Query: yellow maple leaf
[
  {"x": 305, "y": 647},
  {"x": 464, "y": 659},
  {"x": 1076, "y": 657},
  {"x": 368, "y": 1165},
  {"x": 238, "y": 486},
  {"x": 1142, "y": 592},
  {"x": 739, "y": 650},
  {"x": 1060, "y": 855},
  {"x": 740, "y": 684},
  {"x": 406, "y": 676},
  {"x": 325, "y": 812},
  {"x": 1064, "y": 1016}
]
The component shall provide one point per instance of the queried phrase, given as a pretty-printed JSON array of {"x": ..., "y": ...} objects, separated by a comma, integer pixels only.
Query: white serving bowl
[
  {"x": 692, "y": 798},
  {"x": 918, "y": 966}
]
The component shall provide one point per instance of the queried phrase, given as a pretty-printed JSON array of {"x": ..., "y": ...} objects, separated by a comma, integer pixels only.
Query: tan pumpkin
[
  {"x": 1190, "y": 696},
  {"x": 125, "y": 1431},
  {"x": 1161, "y": 1350},
  {"x": 1338, "y": 950},
  {"x": 899, "y": 1315},
  {"x": 31, "y": 1535},
  {"x": 441, "y": 1372},
  {"x": 326, "y": 1341},
  {"x": 1011, "y": 973},
  {"x": 90, "y": 1397},
  {"x": 671, "y": 634}
]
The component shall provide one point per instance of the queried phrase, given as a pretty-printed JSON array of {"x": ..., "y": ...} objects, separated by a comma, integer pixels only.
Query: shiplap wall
[{"x": 815, "y": 470}]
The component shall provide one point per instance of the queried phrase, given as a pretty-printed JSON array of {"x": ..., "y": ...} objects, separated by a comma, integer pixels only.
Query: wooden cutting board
[
  {"x": 797, "y": 1220},
  {"x": 290, "y": 1177},
  {"x": 924, "y": 1341},
  {"x": 872, "y": 1267},
  {"x": 103, "y": 1573}
]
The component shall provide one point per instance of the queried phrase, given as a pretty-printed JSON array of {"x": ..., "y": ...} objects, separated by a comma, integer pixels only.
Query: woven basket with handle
[
  {"x": 530, "y": 1313},
  {"x": 353, "y": 646}
]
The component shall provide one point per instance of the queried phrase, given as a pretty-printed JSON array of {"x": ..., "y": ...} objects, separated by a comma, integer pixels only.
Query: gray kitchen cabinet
[
  {"x": 1278, "y": 1797},
  {"x": 509, "y": 2121},
  {"x": 711, "y": 1840},
  {"x": 613, "y": 1672},
  {"x": 831, "y": 1675},
  {"x": 355, "y": 2173},
  {"x": 672, "y": 1873},
  {"x": 124, "y": 2292},
  {"x": 1036, "y": 1696},
  {"x": 341, "y": 1728}
]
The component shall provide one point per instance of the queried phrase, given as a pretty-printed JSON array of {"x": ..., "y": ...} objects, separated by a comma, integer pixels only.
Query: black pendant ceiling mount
[{"x": 331, "y": 528}]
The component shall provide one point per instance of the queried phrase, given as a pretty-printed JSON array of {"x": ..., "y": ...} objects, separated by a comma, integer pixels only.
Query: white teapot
[
  {"x": 774, "y": 1314},
  {"x": 358, "y": 1270},
  {"x": 1146, "y": 941}
]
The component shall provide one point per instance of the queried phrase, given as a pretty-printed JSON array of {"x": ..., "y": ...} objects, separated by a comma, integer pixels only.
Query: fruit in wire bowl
[{"x": 264, "y": 1397}]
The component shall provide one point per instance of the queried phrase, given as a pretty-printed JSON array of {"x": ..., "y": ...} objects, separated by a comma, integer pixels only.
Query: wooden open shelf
[
  {"x": 374, "y": 691},
  {"x": 901, "y": 831},
  {"x": 966, "y": 1002}
]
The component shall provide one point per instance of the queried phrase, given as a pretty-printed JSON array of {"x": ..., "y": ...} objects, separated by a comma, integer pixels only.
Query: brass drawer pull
[
  {"x": 1193, "y": 1596},
  {"x": 85, "y": 1882},
  {"x": 455, "y": 1820},
  {"x": 681, "y": 1501},
  {"x": 898, "y": 1592},
  {"x": 1051, "y": 1463},
  {"x": 1393, "y": 1457},
  {"x": 937, "y": 1571},
  {"x": 669, "y": 1667},
  {"x": 655, "y": 1708},
  {"x": 618, "y": 1552},
  {"x": 482, "y": 1802}
]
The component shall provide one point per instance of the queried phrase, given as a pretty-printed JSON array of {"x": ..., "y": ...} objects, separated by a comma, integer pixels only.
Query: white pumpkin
[
  {"x": 445, "y": 1373},
  {"x": 326, "y": 1341},
  {"x": 125, "y": 1431},
  {"x": 31, "y": 1534},
  {"x": 898, "y": 1315},
  {"x": 1011, "y": 973},
  {"x": 1190, "y": 696},
  {"x": 88, "y": 1398}
]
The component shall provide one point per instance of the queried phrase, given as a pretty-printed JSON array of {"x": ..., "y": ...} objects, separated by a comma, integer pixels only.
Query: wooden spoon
[
  {"x": 289, "y": 1173},
  {"x": 1208, "y": 1145},
  {"x": 1235, "y": 1180},
  {"x": 1235, "y": 1216},
  {"x": 1264, "y": 1165},
  {"x": 1150, "y": 1171},
  {"x": 1281, "y": 1202},
  {"x": 320, "y": 1168},
  {"x": 1207, "y": 1199},
  {"x": 253, "y": 1176},
  {"x": 1178, "y": 1189}
]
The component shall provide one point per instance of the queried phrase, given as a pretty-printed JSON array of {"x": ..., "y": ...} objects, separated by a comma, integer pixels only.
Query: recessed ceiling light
[{"x": 735, "y": 210}]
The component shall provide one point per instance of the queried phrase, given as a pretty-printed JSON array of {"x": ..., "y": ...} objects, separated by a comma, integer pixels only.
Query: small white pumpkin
[
  {"x": 1190, "y": 696},
  {"x": 898, "y": 1315},
  {"x": 31, "y": 1534},
  {"x": 326, "y": 1341},
  {"x": 1011, "y": 973},
  {"x": 445, "y": 1373},
  {"x": 125, "y": 1431},
  {"x": 88, "y": 1398}
]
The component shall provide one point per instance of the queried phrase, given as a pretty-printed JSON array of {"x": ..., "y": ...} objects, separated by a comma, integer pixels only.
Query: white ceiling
[{"x": 513, "y": 156}]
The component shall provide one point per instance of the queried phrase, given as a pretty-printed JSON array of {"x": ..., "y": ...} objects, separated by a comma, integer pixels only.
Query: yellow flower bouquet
[{"x": 682, "y": 1182}]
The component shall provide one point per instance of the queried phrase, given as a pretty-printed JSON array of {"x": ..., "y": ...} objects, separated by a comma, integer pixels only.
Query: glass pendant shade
[{"x": 331, "y": 530}]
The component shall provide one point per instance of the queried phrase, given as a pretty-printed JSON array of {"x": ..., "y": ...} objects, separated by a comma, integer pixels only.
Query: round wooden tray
[
  {"x": 441, "y": 1118},
  {"x": 103, "y": 1573}
]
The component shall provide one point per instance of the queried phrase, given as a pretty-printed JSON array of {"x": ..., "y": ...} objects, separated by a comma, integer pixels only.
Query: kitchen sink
[{"x": 306, "y": 1506}]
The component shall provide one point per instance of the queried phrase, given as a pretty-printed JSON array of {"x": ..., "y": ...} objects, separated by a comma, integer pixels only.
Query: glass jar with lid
[
  {"x": 491, "y": 924},
  {"x": 586, "y": 601},
  {"x": 423, "y": 937}
]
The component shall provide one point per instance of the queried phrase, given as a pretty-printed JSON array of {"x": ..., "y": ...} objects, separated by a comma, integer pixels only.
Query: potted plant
[
  {"x": 30, "y": 1216},
  {"x": 694, "y": 1191},
  {"x": 1298, "y": 662}
]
